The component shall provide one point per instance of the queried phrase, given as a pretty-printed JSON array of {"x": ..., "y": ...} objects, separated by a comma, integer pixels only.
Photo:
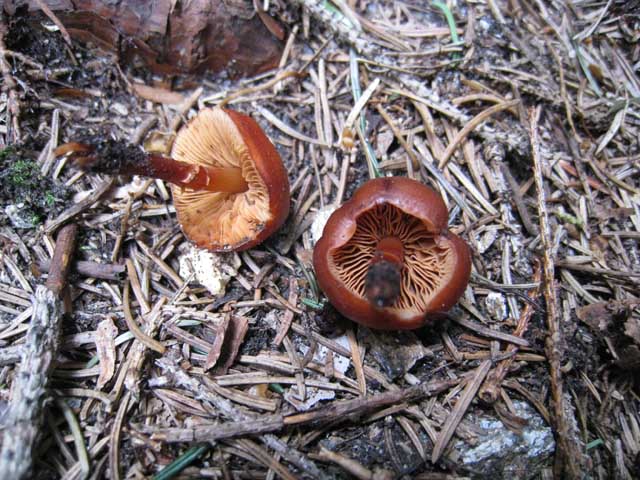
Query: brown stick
[
  {"x": 61, "y": 259},
  {"x": 569, "y": 461},
  {"x": 105, "y": 271},
  {"x": 24, "y": 417},
  {"x": 345, "y": 410}
]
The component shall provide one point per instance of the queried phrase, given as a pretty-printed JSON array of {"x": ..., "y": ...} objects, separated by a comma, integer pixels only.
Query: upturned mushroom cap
[
  {"x": 437, "y": 263},
  {"x": 231, "y": 221}
]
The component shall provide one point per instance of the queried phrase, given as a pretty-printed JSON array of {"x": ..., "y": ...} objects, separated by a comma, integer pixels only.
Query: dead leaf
[{"x": 602, "y": 315}]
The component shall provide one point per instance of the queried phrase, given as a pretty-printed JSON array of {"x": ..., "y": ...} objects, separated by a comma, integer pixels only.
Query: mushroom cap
[
  {"x": 436, "y": 265},
  {"x": 221, "y": 221}
]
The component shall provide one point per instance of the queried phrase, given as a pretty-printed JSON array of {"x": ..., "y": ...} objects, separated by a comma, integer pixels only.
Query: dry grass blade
[
  {"x": 470, "y": 126},
  {"x": 79, "y": 207},
  {"x": 287, "y": 129},
  {"x": 131, "y": 323},
  {"x": 459, "y": 410},
  {"x": 287, "y": 316},
  {"x": 488, "y": 332},
  {"x": 114, "y": 437}
]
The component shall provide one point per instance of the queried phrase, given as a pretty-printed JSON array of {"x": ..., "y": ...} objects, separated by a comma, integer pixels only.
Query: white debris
[
  {"x": 340, "y": 363},
  {"x": 498, "y": 452},
  {"x": 486, "y": 239},
  {"x": 19, "y": 216},
  {"x": 211, "y": 270},
  {"x": 496, "y": 306},
  {"x": 314, "y": 395},
  {"x": 320, "y": 221}
]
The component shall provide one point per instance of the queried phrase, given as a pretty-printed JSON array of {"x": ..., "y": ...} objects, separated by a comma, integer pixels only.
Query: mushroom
[
  {"x": 229, "y": 185},
  {"x": 386, "y": 259}
]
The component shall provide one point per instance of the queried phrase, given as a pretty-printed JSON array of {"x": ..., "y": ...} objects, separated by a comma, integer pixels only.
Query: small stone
[{"x": 498, "y": 452}]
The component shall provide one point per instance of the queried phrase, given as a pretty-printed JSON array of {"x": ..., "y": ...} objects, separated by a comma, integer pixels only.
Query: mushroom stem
[
  {"x": 383, "y": 279},
  {"x": 187, "y": 175},
  {"x": 118, "y": 158}
]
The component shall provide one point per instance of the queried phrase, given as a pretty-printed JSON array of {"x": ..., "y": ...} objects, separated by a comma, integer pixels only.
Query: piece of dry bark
[
  {"x": 106, "y": 334},
  {"x": 233, "y": 338},
  {"x": 170, "y": 37},
  {"x": 216, "y": 348}
]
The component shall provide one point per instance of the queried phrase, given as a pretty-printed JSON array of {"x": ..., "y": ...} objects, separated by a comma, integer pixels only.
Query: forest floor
[{"x": 525, "y": 116}]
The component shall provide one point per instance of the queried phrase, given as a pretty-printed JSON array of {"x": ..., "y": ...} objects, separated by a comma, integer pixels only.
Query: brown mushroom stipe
[
  {"x": 230, "y": 188},
  {"x": 385, "y": 258},
  {"x": 113, "y": 156}
]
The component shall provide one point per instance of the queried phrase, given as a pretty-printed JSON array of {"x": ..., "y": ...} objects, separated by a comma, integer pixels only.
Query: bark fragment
[{"x": 170, "y": 37}]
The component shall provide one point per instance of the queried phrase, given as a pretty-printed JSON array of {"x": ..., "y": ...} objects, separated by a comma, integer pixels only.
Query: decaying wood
[
  {"x": 24, "y": 417},
  {"x": 190, "y": 37}
]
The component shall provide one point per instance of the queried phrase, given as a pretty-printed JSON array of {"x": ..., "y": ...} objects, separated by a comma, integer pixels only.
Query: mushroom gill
[
  {"x": 428, "y": 259},
  {"x": 212, "y": 139}
]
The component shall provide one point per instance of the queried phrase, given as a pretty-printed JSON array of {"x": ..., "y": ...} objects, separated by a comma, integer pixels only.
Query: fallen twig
[
  {"x": 569, "y": 461},
  {"x": 24, "y": 417},
  {"x": 271, "y": 423}
]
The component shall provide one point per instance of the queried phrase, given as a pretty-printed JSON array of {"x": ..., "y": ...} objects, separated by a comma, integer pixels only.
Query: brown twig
[
  {"x": 345, "y": 410},
  {"x": 103, "y": 271},
  {"x": 470, "y": 126},
  {"x": 569, "y": 461}
]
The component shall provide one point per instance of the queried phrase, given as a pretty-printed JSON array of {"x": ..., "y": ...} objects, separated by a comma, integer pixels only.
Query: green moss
[
  {"x": 49, "y": 199},
  {"x": 24, "y": 173},
  {"x": 5, "y": 152},
  {"x": 22, "y": 184}
]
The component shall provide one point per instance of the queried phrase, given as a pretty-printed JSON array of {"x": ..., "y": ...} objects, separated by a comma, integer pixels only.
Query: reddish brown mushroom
[
  {"x": 220, "y": 220},
  {"x": 386, "y": 259},
  {"x": 229, "y": 185}
]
